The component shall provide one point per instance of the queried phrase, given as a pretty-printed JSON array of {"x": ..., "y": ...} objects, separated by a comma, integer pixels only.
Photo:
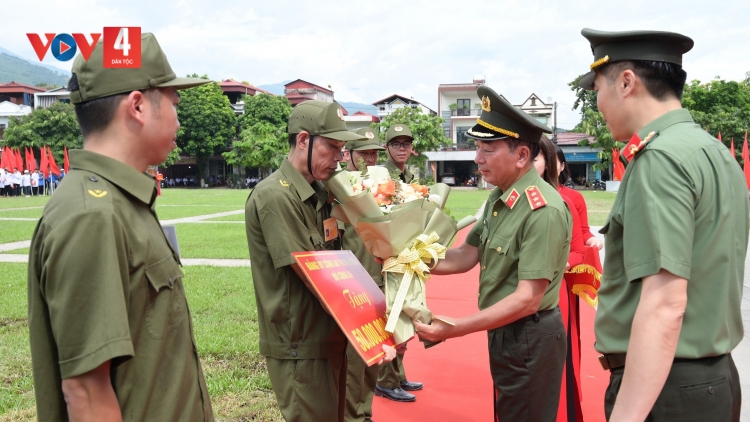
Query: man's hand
[
  {"x": 390, "y": 354},
  {"x": 596, "y": 243},
  {"x": 439, "y": 330},
  {"x": 90, "y": 396}
]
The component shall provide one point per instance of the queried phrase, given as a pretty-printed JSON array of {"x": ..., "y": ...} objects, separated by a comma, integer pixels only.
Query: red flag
[
  {"x": 19, "y": 160},
  {"x": 66, "y": 161},
  {"x": 4, "y": 158},
  {"x": 30, "y": 160},
  {"x": 720, "y": 138},
  {"x": 619, "y": 170},
  {"x": 746, "y": 161},
  {"x": 43, "y": 163},
  {"x": 731, "y": 149},
  {"x": 52, "y": 164}
]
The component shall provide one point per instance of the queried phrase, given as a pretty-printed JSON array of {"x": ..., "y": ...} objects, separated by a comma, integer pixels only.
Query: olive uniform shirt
[
  {"x": 285, "y": 214},
  {"x": 104, "y": 284},
  {"x": 682, "y": 206},
  {"x": 520, "y": 243},
  {"x": 406, "y": 175}
]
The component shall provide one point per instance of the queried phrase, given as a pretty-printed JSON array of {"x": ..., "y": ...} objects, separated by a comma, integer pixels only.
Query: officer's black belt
[
  {"x": 617, "y": 360},
  {"x": 536, "y": 316}
]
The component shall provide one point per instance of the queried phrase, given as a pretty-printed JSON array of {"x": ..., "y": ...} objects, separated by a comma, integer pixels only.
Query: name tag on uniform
[{"x": 331, "y": 229}]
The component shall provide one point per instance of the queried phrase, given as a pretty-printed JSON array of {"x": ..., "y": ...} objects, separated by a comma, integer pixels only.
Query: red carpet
[{"x": 456, "y": 373}]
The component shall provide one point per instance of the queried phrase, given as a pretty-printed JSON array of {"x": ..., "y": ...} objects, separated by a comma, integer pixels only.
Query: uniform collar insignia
[
  {"x": 284, "y": 183},
  {"x": 512, "y": 199},
  {"x": 636, "y": 145},
  {"x": 536, "y": 200}
]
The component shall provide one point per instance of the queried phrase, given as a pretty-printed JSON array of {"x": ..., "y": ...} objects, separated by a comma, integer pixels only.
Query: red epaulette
[
  {"x": 635, "y": 145},
  {"x": 536, "y": 200}
]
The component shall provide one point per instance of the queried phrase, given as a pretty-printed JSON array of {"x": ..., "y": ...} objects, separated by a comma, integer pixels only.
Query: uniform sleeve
[
  {"x": 545, "y": 237},
  {"x": 283, "y": 225},
  {"x": 659, "y": 217},
  {"x": 85, "y": 259}
]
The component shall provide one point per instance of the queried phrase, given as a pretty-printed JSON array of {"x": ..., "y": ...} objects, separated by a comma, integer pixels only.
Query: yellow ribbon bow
[{"x": 409, "y": 262}]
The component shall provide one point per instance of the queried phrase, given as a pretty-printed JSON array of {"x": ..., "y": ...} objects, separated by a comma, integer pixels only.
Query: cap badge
[
  {"x": 369, "y": 135},
  {"x": 96, "y": 193},
  {"x": 398, "y": 128},
  {"x": 486, "y": 104},
  {"x": 599, "y": 62},
  {"x": 340, "y": 114}
]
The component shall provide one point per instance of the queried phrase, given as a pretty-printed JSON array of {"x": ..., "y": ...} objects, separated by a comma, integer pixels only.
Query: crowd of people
[
  {"x": 27, "y": 184},
  {"x": 108, "y": 317}
]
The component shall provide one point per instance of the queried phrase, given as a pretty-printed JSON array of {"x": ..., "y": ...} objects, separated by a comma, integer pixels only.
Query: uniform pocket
[
  {"x": 164, "y": 311},
  {"x": 613, "y": 264},
  {"x": 496, "y": 256}
]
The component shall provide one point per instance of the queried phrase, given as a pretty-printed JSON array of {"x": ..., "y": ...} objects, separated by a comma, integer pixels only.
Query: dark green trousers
[
  {"x": 309, "y": 390},
  {"x": 392, "y": 373},
  {"x": 526, "y": 364},
  {"x": 697, "y": 390},
  {"x": 360, "y": 387}
]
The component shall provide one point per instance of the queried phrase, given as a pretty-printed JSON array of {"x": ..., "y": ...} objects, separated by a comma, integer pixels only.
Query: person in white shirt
[
  {"x": 3, "y": 180},
  {"x": 26, "y": 183},
  {"x": 35, "y": 183},
  {"x": 16, "y": 182}
]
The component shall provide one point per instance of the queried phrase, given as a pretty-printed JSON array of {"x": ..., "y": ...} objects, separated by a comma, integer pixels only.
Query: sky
[{"x": 368, "y": 50}]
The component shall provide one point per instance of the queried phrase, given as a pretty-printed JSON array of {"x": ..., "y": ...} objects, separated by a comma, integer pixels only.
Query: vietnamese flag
[
  {"x": 731, "y": 149},
  {"x": 52, "y": 164},
  {"x": 66, "y": 161},
  {"x": 619, "y": 170},
  {"x": 746, "y": 161},
  {"x": 43, "y": 164}
]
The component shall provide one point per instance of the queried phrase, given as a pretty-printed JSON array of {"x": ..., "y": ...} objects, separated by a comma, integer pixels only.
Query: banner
[{"x": 351, "y": 297}]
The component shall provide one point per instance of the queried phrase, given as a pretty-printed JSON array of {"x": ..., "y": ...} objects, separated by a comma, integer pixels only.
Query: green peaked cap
[
  {"x": 96, "y": 81},
  {"x": 500, "y": 120},
  {"x": 321, "y": 118},
  {"x": 371, "y": 141},
  {"x": 399, "y": 129},
  {"x": 655, "y": 46}
]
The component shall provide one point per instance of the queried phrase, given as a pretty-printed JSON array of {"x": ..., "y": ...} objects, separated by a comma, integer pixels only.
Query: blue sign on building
[{"x": 581, "y": 157}]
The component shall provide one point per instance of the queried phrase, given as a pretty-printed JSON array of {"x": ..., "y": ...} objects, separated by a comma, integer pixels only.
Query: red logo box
[{"x": 122, "y": 47}]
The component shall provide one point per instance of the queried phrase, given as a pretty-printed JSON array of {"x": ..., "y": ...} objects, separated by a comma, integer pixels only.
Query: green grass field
[{"x": 222, "y": 301}]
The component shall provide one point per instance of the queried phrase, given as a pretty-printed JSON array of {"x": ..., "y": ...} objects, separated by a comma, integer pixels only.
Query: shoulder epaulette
[{"x": 536, "y": 200}]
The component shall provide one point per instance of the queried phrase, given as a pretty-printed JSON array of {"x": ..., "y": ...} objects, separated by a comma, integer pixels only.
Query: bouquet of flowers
[{"x": 403, "y": 224}]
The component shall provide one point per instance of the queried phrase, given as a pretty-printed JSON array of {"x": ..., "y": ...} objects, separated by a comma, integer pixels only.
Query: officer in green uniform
[
  {"x": 304, "y": 348},
  {"x": 399, "y": 142},
  {"x": 111, "y": 334},
  {"x": 675, "y": 241},
  {"x": 392, "y": 383},
  {"x": 522, "y": 244},
  {"x": 361, "y": 379}
]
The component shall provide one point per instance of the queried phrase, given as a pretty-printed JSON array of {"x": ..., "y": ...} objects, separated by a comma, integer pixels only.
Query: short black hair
[
  {"x": 514, "y": 143},
  {"x": 95, "y": 115},
  {"x": 662, "y": 80}
]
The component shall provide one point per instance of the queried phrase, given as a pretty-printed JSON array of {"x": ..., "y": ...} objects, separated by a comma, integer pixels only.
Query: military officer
[
  {"x": 399, "y": 143},
  {"x": 392, "y": 383},
  {"x": 286, "y": 212},
  {"x": 675, "y": 241},
  {"x": 522, "y": 244},
  {"x": 361, "y": 379},
  {"x": 111, "y": 335}
]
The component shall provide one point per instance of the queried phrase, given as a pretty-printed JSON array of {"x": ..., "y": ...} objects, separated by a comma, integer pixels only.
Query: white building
[
  {"x": 359, "y": 120},
  {"x": 390, "y": 104},
  {"x": 8, "y": 110},
  {"x": 46, "y": 99}
]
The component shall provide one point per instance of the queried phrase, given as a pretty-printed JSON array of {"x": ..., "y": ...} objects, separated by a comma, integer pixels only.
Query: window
[
  {"x": 463, "y": 108},
  {"x": 533, "y": 101},
  {"x": 2, "y": 130}
]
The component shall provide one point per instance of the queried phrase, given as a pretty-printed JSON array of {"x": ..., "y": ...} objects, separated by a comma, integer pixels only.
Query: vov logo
[{"x": 122, "y": 46}]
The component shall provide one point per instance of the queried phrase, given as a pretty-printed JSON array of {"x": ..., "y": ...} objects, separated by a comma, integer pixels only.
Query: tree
[
  {"x": 592, "y": 123},
  {"x": 263, "y": 141},
  {"x": 427, "y": 130},
  {"x": 720, "y": 107},
  {"x": 55, "y": 126},
  {"x": 207, "y": 122}
]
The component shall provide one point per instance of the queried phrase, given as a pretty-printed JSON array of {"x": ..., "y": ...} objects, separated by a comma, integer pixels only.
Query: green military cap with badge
[
  {"x": 501, "y": 120},
  {"x": 321, "y": 118},
  {"x": 93, "y": 80},
  {"x": 371, "y": 141},
  {"x": 655, "y": 46},
  {"x": 396, "y": 131}
]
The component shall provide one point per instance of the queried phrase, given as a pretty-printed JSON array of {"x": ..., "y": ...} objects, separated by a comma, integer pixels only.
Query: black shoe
[
  {"x": 406, "y": 385},
  {"x": 395, "y": 394}
]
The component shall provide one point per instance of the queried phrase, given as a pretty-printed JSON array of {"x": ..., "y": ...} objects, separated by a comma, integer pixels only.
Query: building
[
  {"x": 580, "y": 159},
  {"x": 46, "y": 99},
  {"x": 235, "y": 90},
  {"x": 298, "y": 91},
  {"x": 18, "y": 93},
  {"x": 359, "y": 120},
  {"x": 388, "y": 105},
  {"x": 8, "y": 110}
]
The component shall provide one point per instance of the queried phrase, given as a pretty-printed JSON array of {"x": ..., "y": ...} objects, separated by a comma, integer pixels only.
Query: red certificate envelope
[{"x": 351, "y": 296}]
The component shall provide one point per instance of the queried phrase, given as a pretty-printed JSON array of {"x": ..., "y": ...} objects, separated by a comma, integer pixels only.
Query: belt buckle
[{"x": 604, "y": 362}]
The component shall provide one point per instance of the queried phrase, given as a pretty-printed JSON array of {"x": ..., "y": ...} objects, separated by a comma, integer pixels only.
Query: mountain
[
  {"x": 37, "y": 63},
  {"x": 13, "y": 68}
]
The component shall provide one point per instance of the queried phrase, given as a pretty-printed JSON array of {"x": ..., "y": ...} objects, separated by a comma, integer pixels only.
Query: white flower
[{"x": 435, "y": 198}]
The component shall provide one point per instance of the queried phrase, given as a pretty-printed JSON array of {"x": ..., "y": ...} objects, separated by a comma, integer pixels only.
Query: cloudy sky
[{"x": 367, "y": 50}]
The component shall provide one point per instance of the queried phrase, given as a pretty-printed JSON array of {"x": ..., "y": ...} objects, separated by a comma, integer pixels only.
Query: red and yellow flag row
[{"x": 13, "y": 159}]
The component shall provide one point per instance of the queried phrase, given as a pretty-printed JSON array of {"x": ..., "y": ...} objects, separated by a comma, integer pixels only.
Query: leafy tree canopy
[
  {"x": 427, "y": 131},
  {"x": 55, "y": 126}
]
